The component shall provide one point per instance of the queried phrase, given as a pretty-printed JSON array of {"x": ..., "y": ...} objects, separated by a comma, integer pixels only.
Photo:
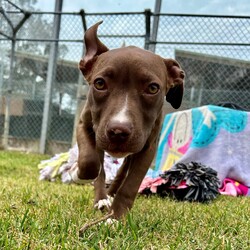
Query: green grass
[{"x": 42, "y": 215}]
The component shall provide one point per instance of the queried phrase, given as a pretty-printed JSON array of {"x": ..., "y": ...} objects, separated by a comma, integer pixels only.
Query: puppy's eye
[
  {"x": 100, "y": 84},
  {"x": 153, "y": 88}
]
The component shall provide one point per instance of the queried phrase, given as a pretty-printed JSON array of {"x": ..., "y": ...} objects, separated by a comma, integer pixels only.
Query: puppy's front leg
[
  {"x": 102, "y": 201},
  {"x": 89, "y": 159},
  {"x": 120, "y": 177},
  {"x": 138, "y": 165}
]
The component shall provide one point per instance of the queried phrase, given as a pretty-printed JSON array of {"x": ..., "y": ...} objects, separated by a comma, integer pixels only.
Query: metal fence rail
[{"x": 213, "y": 50}]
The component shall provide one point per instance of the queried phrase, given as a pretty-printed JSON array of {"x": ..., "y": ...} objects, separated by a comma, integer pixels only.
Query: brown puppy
[{"x": 122, "y": 116}]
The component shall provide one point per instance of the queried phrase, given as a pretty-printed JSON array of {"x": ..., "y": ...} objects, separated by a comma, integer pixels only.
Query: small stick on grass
[{"x": 88, "y": 225}]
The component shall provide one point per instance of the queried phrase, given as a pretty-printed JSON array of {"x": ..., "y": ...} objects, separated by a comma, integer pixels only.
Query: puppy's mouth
[
  {"x": 118, "y": 150},
  {"x": 118, "y": 154}
]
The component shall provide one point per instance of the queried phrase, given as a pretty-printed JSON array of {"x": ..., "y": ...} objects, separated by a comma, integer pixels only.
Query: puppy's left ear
[
  {"x": 94, "y": 47},
  {"x": 176, "y": 82}
]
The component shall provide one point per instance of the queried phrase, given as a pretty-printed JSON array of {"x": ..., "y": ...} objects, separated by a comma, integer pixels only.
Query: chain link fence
[{"x": 213, "y": 51}]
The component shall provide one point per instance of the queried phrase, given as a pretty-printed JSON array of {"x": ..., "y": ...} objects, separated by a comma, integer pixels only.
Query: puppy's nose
[{"x": 119, "y": 132}]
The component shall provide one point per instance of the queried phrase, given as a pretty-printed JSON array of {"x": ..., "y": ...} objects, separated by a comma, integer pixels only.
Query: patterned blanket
[{"x": 214, "y": 136}]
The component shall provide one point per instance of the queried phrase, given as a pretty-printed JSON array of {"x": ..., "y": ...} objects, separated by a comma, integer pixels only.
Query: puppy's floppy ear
[
  {"x": 94, "y": 47},
  {"x": 176, "y": 81}
]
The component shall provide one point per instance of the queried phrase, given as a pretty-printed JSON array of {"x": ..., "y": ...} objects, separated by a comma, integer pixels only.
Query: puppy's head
[{"x": 127, "y": 90}]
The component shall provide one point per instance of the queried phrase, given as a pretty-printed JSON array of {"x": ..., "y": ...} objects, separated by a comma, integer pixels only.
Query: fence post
[
  {"x": 8, "y": 95},
  {"x": 84, "y": 23},
  {"x": 47, "y": 110},
  {"x": 15, "y": 29},
  {"x": 155, "y": 25},
  {"x": 147, "y": 13},
  {"x": 82, "y": 87}
]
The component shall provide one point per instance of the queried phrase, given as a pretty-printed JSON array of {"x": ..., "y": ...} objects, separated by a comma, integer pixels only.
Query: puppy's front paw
[
  {"x": 111, "y": 221},
  {"x": 104, "y": 204}
]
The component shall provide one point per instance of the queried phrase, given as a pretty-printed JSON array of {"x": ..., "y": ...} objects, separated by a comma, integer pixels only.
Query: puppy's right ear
[
  {"x": 176, "y": 82},
  {"x": 94, "y": 47}
]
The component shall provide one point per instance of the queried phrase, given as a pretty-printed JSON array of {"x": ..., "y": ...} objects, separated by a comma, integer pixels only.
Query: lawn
[{"x": 43, "y": 215}]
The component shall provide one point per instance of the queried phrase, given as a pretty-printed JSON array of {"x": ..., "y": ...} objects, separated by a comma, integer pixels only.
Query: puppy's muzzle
[{"x": 118, "y": 132}]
